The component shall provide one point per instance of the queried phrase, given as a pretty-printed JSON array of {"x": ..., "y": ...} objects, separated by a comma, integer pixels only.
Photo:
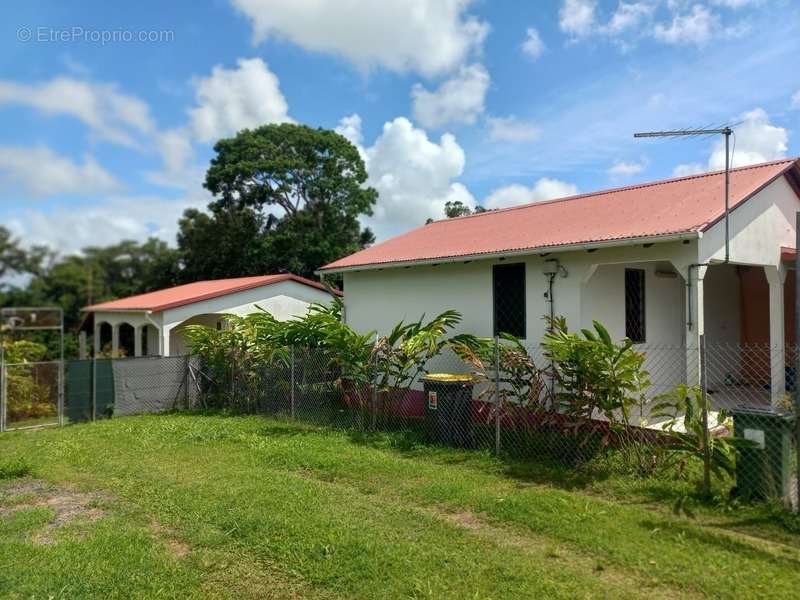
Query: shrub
[
  {"x": 27, "y": 398},
  {"x": 13, "y": 468},
  {"x": 507, "y": 369},
  {"x": 237, "y": 356},
  {"x": 594, "y": 374},
  {"x": 684, "y": 406}
]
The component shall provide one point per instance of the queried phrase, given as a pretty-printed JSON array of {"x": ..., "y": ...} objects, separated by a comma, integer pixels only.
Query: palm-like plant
[
  {"x": 362, "y": 362},
  {"x": 401, "y": 356},
  {"x": 687, "y": 439},
  {"x": 595, "y": 375},
  {"x": 507, "y": 371}
]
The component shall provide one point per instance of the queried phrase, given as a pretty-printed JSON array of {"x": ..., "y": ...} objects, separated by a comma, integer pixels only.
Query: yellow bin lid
[{"x": 448, "y": 377}]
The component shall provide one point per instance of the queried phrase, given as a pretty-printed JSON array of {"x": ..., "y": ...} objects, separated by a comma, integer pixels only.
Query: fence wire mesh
[
  {"x": 30, "y": 395},
  {"x": 104, "y": 388},
  {"x": 723, "y": 414},
  {"x": 729, "y": 425}
]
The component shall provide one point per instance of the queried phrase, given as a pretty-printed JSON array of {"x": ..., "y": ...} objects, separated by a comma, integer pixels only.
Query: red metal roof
[
  {"x": 195, "y": 292},
  {"x": 670, "y": 207}
]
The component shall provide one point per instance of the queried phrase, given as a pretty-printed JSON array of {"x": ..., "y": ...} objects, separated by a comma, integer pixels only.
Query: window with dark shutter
[
  {"x": 509, "y": 299},
  {"x": 634, "y": 305}
]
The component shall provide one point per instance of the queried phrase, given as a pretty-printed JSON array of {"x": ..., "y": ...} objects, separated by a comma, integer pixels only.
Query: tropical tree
[{"x": 287, "y": 198}]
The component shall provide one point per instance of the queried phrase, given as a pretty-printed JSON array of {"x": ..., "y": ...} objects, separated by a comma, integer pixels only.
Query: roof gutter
[
  {"x": 676, "y": 237},
  {"x": 89, "y": 309}
]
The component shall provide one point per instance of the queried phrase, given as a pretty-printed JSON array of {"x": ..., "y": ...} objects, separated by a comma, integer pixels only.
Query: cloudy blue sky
[{"x": 109, "y": 110}]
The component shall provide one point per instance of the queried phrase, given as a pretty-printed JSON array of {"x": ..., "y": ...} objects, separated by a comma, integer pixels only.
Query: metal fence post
[
  {"x": 797, "y": 358},
  {"x": 706, "y": 436},
  {"x": 186, "y": 369},
  {"x": 497, "y": 395},
  {"x": 94, "y": 385},
  {"x": 62, "y": 377},
  {"x": 3, "y": 389},
  {"x": 374, "y": 391},
  {"x": 291, "y": 394}
]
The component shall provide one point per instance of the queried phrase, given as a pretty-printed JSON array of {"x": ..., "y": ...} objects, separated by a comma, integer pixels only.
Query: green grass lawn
[{"x": 217, "y": 506}]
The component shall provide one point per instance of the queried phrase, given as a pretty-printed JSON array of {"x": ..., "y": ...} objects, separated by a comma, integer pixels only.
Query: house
[
  {"x": 151, "y": 323},
  {"x": 648, "y": 261}
]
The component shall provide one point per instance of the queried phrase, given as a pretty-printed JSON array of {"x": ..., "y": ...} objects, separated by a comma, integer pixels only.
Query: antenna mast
[{"x": 726, "y": 132}]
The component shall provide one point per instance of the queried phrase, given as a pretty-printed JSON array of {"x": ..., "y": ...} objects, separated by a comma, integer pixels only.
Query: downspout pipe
[{"x": 550, "y": 299}]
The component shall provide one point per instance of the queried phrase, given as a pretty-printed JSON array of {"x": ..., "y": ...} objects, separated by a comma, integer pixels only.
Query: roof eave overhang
[
  {"x": 92, "y": 309},
  {"x": 672, "y": 237}
]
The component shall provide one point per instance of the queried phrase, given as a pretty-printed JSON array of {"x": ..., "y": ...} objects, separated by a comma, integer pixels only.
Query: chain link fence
[
  {"x": 104, "y": 388},
  {"x": 30, "y": 395},
  {"x": 731, "y": 426},
  {"x": 726, "y": 427}
]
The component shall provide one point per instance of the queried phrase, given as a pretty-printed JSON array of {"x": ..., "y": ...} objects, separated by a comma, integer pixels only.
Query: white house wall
[
  {"x": 594, "y": 289},
  {"x": 723, "y": 322},
  {"x": 377, "y": 299},
  {"x": 604, "y": 301},
  {"x": 284, "y": 300},
  {"x": 758, "y": 228}
]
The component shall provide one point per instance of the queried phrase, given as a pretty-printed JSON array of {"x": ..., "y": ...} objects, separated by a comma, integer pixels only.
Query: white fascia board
[{"x": 691, "y": 235}]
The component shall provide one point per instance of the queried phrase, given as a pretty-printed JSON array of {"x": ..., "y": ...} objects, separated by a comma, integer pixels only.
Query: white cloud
[
  {"x": 41, "y": 172},
  {"x": 687, "y": 22},
  {"x": 695, "y": 27},
  {"x": 457, "y": 100},
  {"x": 511, "y": 129},
  {"x": 109, "y": 114},
  {"x": 350, "y": 127},
  {"x": 413, "y": 174},
  {"x": 177, "y": 153},
  {"x": 533, "y": 46},
  {"x": 735, "y": 3},
  {"x": 576, "y": 17},
  {"x": 428, "y": 36},
  {"x": 795, "y": 100},
  {"x": 756, "y": 140},
  {"x": 628, "y": 15},
  {"x": 622, "y": 169},
  {"x": 68, "y": 229},
  {"x": 233, "y": 99},
  {"x": 687, "y": 169},
  {"x": 544, "y": 188},
  {"x": 226, "y": 101}
]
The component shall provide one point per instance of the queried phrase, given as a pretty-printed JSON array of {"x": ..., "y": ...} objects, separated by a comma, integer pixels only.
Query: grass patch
[
  {"x": 226, "y": 506},
  {"x": 14, "y": 468}
]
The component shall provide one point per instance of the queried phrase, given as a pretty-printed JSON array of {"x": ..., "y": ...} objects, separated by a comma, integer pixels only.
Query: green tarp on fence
[{"x": 79, "y": 390}]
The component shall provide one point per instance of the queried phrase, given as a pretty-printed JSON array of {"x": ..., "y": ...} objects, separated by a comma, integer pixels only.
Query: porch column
[
  {"x": 96, "y": 339},
  {"x": 776, "y": 277},
  {"x": 114, "y": 340},
  {"x": 163, "y": 340},
  {"x": 137, "y": 340},
  {"x": 695, "y": 322}
]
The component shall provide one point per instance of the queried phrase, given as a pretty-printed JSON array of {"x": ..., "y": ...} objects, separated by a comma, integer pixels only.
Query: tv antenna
[{"x": 726, "y": 133}]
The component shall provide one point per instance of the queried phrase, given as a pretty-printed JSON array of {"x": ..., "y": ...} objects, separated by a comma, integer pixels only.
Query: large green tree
[
  {"x": 103, "y": 273},
  {"x": 223, "y": 242},
  {"x": 287, "y": 198},
  {"x": 17, "y": 260}
]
